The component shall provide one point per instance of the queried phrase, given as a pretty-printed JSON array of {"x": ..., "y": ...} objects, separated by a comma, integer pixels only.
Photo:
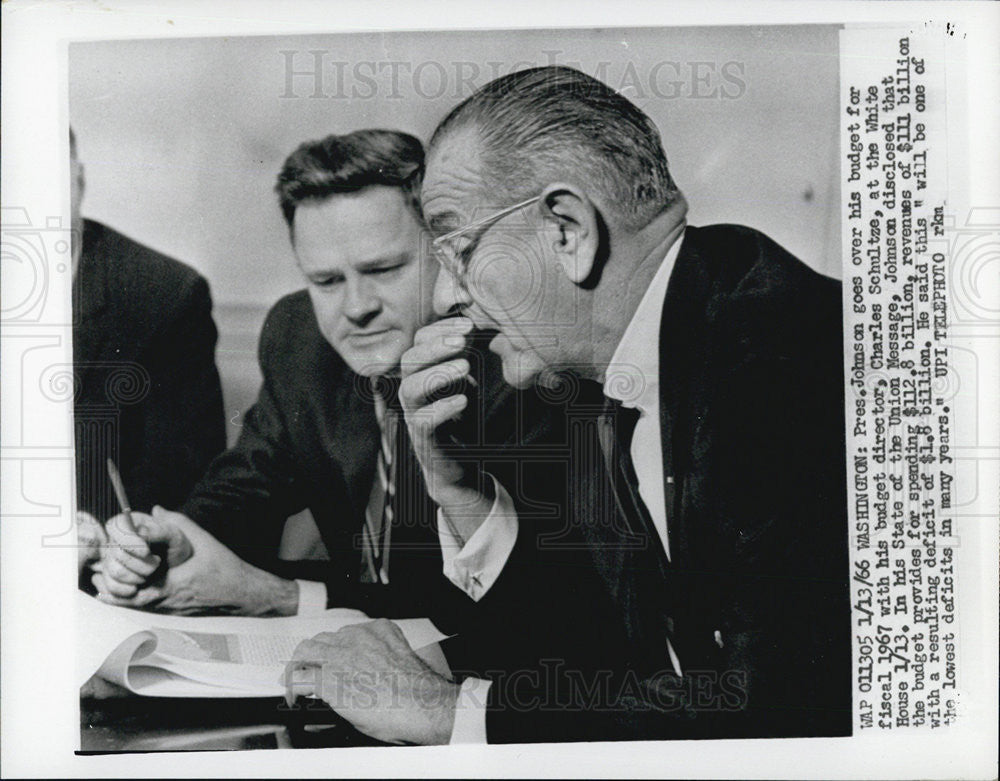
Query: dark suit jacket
[
  {"x": 147, "y": 390},
  {"x": 755, "y": 599}
]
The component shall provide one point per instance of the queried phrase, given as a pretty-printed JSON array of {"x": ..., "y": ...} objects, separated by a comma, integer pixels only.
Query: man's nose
[
  {"x": 450, "y": 297},
  {"x": 360, "y": 302}
]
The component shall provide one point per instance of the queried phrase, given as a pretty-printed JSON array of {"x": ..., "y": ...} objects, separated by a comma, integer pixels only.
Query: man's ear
[{"x": 571, "y": 229}]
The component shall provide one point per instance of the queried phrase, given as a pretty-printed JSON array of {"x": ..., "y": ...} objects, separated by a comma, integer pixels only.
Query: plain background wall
[{"x": 182, "y": 138}]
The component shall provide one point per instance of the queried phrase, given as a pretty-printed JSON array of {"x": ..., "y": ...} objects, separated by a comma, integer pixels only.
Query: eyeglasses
[{"x": 456, "y": 262}]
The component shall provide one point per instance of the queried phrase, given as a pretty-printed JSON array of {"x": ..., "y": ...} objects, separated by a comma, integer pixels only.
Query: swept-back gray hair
[{"x": 555, "y": 123}]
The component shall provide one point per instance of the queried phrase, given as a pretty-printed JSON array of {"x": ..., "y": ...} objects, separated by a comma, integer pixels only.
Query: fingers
[
  {"x": 89, "y": 528},
  {"x": 387, "y": 632},
  {"x": 311, "y": 658},
  {"x": 120, "y": 536},
  {"x": 330, "y": 646},
  {"x": 118, "y": 558},
  {"x": 178, "y": 532},
  {"x": 91, "y": 538},
  {"x": 108, "y": 589},
  {"x": 447, "y": 327},
  {"x": 299, "y": 682},
  {"x": 305, "y": 669},
  {"x": 419, "y": 389},
  {"x": 125, "y": 564},
  {"x": 117, "y": 572},
  {"x": 181, "y": 530},
  {"x": 123, "y": 595},
  {"x": 315, "y": 651},
  {"x": 435, "y": 343},
  {"x": 82, "y": 516},
  {"x": 385, "y": 629},
  {"x": 423, "y": 423},
  {"x": 171, "y": 518}
]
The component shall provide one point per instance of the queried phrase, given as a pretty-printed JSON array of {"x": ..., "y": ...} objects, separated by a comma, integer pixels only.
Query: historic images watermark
[
  {"x": 318, "y": 74},
  {"x": 553, "y": 686}
]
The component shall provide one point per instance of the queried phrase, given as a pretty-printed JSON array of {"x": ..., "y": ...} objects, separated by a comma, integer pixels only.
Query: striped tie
[{"x": 379, "y": 513}]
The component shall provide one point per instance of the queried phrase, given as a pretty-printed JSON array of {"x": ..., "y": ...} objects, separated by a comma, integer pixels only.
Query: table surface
[{"x": 141, "y": 724}]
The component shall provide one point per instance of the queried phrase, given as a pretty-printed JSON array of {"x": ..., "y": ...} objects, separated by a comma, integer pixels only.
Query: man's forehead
[
  {"x": 453, "y": 181},
  {"x": 371, "y": 226},
  {"x": 457, "y": 146}
]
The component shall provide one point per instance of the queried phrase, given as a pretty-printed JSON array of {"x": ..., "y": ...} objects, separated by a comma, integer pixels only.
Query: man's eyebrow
[
  {"x": 387, "y": 260},
  {"x": 320, "y": 275}
]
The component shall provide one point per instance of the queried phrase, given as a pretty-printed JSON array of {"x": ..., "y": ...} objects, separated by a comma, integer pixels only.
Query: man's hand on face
[
  {"x": 369, "y": 675},
  {"x": 434, "y": 363},
  {"x": 175, "y": 566}
]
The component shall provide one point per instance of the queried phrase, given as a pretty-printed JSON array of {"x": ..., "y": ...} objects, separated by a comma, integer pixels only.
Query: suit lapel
[
  {"x": 683, "y": 346},
  {"x": 684, "y": 423}
]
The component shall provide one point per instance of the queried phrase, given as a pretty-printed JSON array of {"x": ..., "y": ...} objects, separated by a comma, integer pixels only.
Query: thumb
[
  {"x": 89, "y": 530},
  {"x": 179, "y": 525},
  {"x": 159, "y": 511},
  {"x": 171, "y": 518}
]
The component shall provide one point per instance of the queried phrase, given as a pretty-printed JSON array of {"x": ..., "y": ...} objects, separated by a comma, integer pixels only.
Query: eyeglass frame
[{"x": 447, "y": 256}]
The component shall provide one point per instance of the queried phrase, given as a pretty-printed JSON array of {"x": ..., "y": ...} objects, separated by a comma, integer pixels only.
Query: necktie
[
  {"x": 377, "y": 531},
  {"x": 650, "y": 601},
  {"x": 616, "y": 426}
]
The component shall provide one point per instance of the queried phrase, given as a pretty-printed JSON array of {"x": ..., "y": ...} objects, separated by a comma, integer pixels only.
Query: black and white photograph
[{"x": 619, "y": 393}]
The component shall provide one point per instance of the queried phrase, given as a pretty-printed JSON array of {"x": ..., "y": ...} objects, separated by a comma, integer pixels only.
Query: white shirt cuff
[
  {"x": 475, "y": 566},
  {"x": 312, "y": 597},
  {"x": 470, "y": 712}
]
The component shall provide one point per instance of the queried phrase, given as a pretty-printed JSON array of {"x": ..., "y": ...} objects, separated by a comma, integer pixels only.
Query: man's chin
[
  {"x": 517, "y": 378},
  {"x": 520, "y": 369},
  {"x": 372, "y": 363}
]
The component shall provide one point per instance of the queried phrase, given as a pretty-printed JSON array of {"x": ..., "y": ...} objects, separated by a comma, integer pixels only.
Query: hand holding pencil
[
  {"x": 139, "y": 547},
  {"x": 119, "y": 489},
  {"x": 168, "y": 563}
]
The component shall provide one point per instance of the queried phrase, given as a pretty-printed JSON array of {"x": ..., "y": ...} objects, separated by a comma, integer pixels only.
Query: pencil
[{"x": 116, "y": 483}]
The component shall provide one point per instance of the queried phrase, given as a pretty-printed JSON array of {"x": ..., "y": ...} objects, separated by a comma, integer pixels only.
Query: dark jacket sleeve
[
  {"x": 249, "y": 491},
  {"x": 182, "y": 415}
]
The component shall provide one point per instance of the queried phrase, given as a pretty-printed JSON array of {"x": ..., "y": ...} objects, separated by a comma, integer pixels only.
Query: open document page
[{"x": 208, "y": 656}]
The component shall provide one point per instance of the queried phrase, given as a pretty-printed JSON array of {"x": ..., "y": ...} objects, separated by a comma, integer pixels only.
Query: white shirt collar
[{"x": 633, "y": 376}]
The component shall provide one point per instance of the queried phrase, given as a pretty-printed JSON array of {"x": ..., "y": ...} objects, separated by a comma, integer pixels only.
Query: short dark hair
[
  {"x": 342, "y": 164},
  {"x": 552, "y": 121}
]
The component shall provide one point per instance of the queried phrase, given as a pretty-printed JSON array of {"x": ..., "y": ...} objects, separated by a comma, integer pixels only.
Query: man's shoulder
[
  {"x": 292, "y": 314},
  {"x": 749, "y": 271},
  {"x": 291, "y": 342},
  {"x": 748, "y": 295},
  {"x": 745, "y": 261},
  {"x": 134, "y": 268}
]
